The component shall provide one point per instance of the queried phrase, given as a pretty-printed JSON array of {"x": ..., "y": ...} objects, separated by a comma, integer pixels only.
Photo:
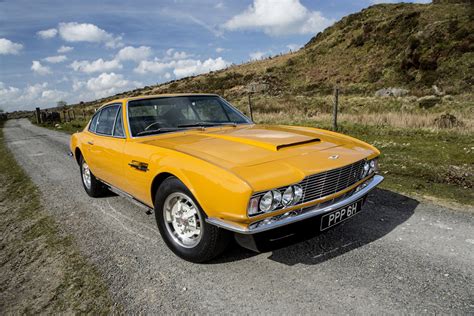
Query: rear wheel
[
  {"x": 182, "y": 224},
  {"x": 92, "y": 185}
]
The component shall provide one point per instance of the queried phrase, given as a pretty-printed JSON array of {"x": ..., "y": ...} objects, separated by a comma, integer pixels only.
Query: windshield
[{"x": 165, "y": 114}]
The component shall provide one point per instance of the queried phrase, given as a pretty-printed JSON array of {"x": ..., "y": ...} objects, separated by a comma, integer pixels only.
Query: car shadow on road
[{"x": 382, "y": 213}]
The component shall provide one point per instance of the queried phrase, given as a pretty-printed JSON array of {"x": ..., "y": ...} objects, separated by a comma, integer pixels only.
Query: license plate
[{"x": 340, "y": 215}]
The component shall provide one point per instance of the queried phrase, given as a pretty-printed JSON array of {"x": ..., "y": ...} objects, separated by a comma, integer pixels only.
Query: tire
[
  {"x": 190, "y": 237},
  {"x": 91, "y": 184}
]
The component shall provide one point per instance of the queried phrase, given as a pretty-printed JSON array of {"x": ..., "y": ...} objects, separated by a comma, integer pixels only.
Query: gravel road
[{"x": 397, "y": 256}]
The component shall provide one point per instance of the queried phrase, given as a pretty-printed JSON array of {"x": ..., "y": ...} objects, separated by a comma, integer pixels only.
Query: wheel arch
[{"x": 78, "y": 155}]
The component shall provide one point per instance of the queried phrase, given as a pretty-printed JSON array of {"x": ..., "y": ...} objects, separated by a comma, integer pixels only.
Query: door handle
[
  {"x": 141, "y": 166},
  {"x": 90, "y": 143}
]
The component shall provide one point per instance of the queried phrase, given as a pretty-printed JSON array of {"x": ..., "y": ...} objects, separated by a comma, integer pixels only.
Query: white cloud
[
  {"x": 9, "y": 47},
  {"x": 146, "y": 66},
  {"x": 77, "y": 85},
  {"x": 106, "y": 84},
  {"x": 188, "y": 67},
  {"x": 219, "y": 49},
  {"x": 134, "y": 53},
  {"x": 8, "y": 94},
  {"x": 279, "y": 17},
  {"x": 40, "y": 69},
  {"x": 55, "y": 59},
  {"x": 173, "y": 54},
  {"x": 98, "y": 65},
  {"x": 12, "y": 98},
  {"x": 53, "y": 95},
  {"x": 181, "y": 67},
  {"x": 49, "y": 33},
  {"x": 65, "y": 49},
  {"x": 86, "y": 32},
  {"x": 257, "y": 55}
]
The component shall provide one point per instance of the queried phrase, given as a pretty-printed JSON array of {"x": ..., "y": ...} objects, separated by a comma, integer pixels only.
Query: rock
[
  {"x": 428, "y": 101},
  {"x": 448, "y": 97},
  {"x": 437, "y": 91},
  {"x": 447, "y": 121},
  {"x": 391, "y": 92}
]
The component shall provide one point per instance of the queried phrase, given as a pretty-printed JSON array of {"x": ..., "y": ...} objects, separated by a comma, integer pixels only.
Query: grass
[{"x": 41, "y": 269}]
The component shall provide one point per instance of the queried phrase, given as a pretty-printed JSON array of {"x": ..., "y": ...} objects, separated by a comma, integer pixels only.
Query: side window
[
  {"x": 93, "y": 124},
  {"x": 118, "y": 130},
  {"x": 105, "y": 123}
]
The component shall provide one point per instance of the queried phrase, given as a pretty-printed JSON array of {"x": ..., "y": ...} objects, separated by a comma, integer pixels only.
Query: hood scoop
[
  {"x": 266, "y": 141},
  {"x": 305, "y": 142}
]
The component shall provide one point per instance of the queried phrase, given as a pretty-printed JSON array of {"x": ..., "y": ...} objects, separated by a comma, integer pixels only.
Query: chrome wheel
[
  {"x": 86, "y": 175},
  {"x": 182, "y": 220}
]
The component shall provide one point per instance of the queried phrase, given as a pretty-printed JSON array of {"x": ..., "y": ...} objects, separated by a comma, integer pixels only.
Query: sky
[{"x": 83, "y": 50}]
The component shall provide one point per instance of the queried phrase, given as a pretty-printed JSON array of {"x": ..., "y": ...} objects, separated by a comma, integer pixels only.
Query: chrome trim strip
[
  {"x": 376, "y": 180},
  {"x": 127, "y": 196}
]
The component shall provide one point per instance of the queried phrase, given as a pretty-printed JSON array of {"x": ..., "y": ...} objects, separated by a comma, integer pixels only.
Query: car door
[{"x": 106, "y": 149}]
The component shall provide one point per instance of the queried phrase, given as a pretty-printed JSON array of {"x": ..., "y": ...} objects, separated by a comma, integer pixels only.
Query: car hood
[{"x": 256, "y": 152}]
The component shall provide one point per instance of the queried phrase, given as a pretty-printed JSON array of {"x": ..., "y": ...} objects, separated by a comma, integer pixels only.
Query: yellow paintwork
[{"x": 222, "y": 166}]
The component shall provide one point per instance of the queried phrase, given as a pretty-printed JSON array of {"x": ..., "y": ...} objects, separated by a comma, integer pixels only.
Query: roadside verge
[{"x": 41, "y": 270}]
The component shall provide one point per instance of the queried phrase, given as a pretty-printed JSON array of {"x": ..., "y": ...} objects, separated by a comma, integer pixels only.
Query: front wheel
[
  {"x": 92, "y": 185},
  {"x": 182, "y": 224}
]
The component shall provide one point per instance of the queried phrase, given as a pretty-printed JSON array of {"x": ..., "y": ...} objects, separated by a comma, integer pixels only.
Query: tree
[{"x": 61, "y": 104}]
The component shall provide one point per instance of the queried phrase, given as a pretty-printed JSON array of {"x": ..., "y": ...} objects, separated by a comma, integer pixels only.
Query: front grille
[{"x": 332, "y": 181}]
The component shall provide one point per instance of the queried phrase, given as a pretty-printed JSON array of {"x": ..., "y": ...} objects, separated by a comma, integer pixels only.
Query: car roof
[{"x": 165, "y": 95}]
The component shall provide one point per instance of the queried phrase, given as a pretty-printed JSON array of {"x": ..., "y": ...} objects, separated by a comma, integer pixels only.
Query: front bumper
[{"x": 303, "y": 214}]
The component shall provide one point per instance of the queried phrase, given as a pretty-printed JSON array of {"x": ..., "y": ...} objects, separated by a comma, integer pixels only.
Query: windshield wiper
[
  {"x": 207, "y": 124},
  {"x": 158, "y": 130}
]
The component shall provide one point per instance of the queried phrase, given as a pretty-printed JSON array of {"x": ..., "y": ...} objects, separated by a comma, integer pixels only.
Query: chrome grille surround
[{"x": 331, "y": 181}]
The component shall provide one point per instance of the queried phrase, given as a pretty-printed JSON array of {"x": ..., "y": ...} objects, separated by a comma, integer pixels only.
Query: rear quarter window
[
  {"x": 93, "y": 123},
  {"x": 105, "y": 123}
]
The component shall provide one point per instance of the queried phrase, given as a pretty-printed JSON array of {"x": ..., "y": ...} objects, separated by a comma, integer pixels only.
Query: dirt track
[{"x": 397, "y": 256}]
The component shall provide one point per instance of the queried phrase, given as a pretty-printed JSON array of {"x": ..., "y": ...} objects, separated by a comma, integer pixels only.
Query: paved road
[{"x": 397, "y": 256}]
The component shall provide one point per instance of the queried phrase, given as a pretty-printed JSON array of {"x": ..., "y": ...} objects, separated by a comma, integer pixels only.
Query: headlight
[
  {"x": 275, "y": 199},
  {"x": 288, "y": 196},
  {"x": 266, "y": 202},
  {"x": 298, "y": 193},
  {"x": 365, "y": 170},
  {"x": 374, "y": 165},
  {"x": 370, "y": 167}
]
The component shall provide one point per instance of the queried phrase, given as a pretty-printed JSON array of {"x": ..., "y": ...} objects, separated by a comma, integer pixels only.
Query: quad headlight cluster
[
  {"x": 275, "y": 199},
  {"x": 370, "y": 167}
]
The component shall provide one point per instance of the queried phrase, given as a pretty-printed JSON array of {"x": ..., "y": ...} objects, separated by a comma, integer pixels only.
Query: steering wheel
[{"x": 152, "y": 124}]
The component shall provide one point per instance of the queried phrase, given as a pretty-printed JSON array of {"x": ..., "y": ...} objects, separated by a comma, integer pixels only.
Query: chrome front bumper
[{"x": 368, "y": 186}]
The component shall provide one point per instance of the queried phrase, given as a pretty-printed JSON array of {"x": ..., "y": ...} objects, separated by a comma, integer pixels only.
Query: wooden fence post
[
  {"x": 38, "y": 115},
  {"x": 336, "y": 104},
  {"x": 250, "y": 107}
]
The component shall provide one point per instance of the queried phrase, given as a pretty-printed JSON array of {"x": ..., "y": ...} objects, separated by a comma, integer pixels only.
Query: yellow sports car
[{"x": 208, "y": 172}]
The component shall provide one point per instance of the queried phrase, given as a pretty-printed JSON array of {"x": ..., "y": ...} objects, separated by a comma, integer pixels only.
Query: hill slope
[{"x": 406, "y": 45}]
